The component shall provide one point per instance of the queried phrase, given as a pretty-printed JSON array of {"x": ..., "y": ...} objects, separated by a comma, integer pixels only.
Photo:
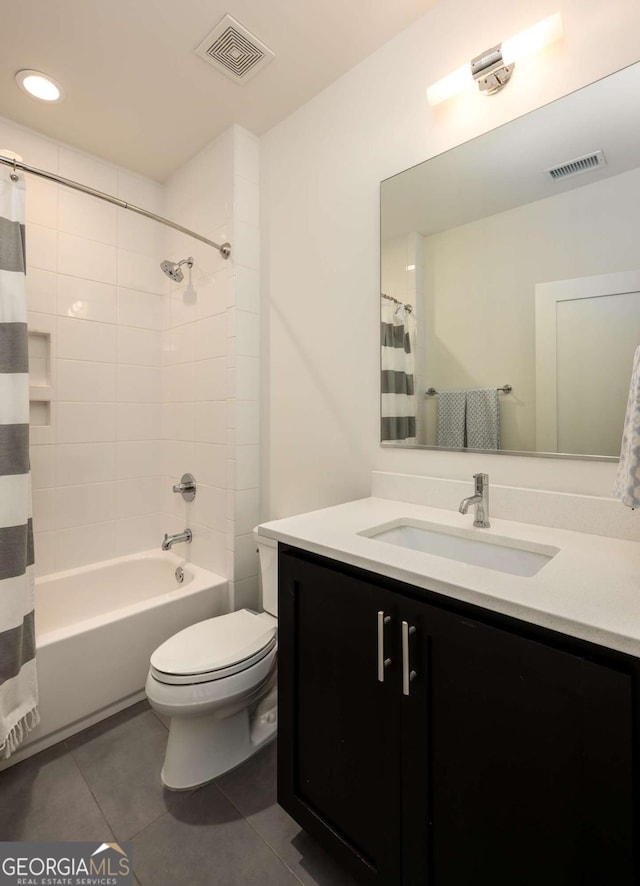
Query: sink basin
[{"x": 465, "y": 545}]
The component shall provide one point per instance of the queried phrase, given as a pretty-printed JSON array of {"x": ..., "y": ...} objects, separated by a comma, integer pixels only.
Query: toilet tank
[{"x": 268, "y": 551}]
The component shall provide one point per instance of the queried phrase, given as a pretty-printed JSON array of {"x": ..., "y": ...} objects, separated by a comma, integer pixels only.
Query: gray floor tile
[
  {"x": 252, "y": 789},
  {"x": 205, "y": 841},
  {"x": 121, "y": 760},
  {"x": 46, "y": 798}
]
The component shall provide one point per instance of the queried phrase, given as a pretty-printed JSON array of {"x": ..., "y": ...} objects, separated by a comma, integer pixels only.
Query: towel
[
  {"x": 627, "y": 487},
  {"x": 452, "y": 410},
  {"x": 483, "y": 419}
]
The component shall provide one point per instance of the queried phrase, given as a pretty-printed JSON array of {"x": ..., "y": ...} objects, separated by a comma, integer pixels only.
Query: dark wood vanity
[{"x": 428, "y": 742}]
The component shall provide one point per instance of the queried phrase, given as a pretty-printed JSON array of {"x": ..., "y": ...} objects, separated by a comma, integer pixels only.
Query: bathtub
[{"x": 96, "y": 628}]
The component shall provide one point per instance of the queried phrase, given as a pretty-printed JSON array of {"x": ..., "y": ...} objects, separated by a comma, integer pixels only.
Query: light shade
[
  {"x": 39, "y": 85},
  {"x": 517, "y": 47}
]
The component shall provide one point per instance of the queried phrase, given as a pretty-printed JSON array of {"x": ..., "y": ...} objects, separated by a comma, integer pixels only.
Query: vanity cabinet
[{"x": 427, "y": 742}]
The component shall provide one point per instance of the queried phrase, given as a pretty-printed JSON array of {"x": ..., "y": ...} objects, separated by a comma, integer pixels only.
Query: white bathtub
[{"x": 96, "y": 628}]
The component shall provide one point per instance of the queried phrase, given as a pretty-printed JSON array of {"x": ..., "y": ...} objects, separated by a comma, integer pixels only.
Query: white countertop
[{"x": 590, "y": 589}]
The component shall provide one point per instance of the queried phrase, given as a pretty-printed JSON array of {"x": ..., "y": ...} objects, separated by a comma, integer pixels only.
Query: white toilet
[{"x": 216, "y": 680}]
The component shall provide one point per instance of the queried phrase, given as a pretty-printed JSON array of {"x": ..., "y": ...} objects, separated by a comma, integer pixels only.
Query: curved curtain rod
[{"x": 223, "y": 248}]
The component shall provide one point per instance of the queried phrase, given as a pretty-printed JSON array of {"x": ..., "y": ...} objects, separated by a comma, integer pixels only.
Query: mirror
[{"x": 510, "y": 274}]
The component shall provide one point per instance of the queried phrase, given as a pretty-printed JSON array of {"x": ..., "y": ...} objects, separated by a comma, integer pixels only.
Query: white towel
[
  {"x": 627, "y": 487},
  {"x": 452, "y": 410}
]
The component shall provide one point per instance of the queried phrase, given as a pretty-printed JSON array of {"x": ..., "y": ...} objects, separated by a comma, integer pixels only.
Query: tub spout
[{"x": 170, "y": 540}]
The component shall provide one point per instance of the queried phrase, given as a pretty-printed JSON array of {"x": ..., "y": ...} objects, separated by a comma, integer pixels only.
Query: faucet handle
[{"x": 186, "y": 487}]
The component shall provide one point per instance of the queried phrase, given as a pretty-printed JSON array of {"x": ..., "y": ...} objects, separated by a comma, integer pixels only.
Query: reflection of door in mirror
[{"x": 587, "y": 331}]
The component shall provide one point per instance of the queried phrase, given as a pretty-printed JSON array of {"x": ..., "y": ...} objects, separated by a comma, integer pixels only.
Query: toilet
[{"x": 216, "y": 680}]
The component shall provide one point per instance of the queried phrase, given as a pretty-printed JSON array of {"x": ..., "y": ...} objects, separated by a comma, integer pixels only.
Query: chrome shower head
[{"x": 173, "y": 269}]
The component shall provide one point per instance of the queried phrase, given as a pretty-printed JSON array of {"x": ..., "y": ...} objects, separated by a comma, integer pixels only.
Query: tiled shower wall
[
  {"x": 149, "y": 380},
  {"x": 94, "y": 287},
  {"x": 210, "y": 402}
]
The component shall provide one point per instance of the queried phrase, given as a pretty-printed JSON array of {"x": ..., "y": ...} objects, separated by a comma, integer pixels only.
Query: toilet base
[{"x": 203, "y": 748}]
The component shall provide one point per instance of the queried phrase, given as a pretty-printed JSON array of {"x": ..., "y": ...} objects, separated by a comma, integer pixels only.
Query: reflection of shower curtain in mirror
[
  {"x": 398, "y": 402},
  {"x": 18, "y": 685}
]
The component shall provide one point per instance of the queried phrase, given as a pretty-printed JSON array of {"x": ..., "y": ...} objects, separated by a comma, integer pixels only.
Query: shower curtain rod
[{"x": 224, "y": 249}]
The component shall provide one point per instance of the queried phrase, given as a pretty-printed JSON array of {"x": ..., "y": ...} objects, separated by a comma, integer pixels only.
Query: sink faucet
[
  {"x": 480, "y": 499},
  {"x": 170, "y": 540}
]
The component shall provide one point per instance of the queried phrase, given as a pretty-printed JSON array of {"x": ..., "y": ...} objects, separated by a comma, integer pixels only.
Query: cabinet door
[
  {"x": 338, "y": 742},
  {"x": 528, "y": 775}
]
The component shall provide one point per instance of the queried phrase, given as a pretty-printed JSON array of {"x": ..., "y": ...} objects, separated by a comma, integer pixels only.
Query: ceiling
[{"x": 136, "y": 93}]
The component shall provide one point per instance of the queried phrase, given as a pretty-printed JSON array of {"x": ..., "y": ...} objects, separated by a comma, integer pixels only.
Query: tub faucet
[
  {"x": 480, "y": 499},
  {"x": 170, "y": 540}
]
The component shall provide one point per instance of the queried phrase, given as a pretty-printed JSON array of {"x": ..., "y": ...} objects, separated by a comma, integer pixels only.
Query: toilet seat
[{"x": 215, "y": 648}]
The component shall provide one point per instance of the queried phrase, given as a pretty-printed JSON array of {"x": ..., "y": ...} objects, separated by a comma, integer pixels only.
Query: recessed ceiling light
[{"x": 39, "y": 85}]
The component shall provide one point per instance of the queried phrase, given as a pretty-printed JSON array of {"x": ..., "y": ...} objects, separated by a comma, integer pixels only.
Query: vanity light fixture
[
  {"x": 492, "y": 69},
  {"x": 39, "y": 85}
]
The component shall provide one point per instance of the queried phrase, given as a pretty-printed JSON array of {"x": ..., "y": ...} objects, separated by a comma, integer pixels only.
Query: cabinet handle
[
  {"x": 407, "y": 674},
  {"x": 382, "y": 661}
]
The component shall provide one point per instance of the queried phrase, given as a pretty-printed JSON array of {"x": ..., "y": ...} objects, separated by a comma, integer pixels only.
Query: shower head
[{"x": 173, "y": 269}]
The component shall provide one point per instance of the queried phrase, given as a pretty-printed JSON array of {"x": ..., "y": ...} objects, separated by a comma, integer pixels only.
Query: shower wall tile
[
  {"x": 41, "y": 289},
  {"x": 137, "y": 459},
  {"x": 135, "y": 498},
  {"x": 90, "y": 171},
  {"x": 41, "y": 202},
  {"x": 210, "y": 337},
  {"x": 83, "y": 381},
  {"x": 86, "y": 422},
  {"x": 80, "y": 257},
  {"x": 81, "y": 505},
  {"x": 247, "y": 287},
  {"x": 138, "y": 534},
  {"x": 45, "y": 545},
  {"x": 141, "y": 347},
  {"x": 87, "y": 217},
  {"x": 85, "y": 463},
  {"x": 42, "y": 248},
  {"x": 139, "y": 271},
  {"x": 44, "y": 510},
  {"x": 86, "y": 340},
  {"x": 86, "y": 300},
  {"x": 139, "y": 384},
  {"x": 43, "y": 467},
  {"x": 141, "y": 309},
  {"x": 145, "y": 233},
  {"x": 139, "y": 421},
  {"x": 83, "y": 545},
  {"x": 107, "y": 355}
]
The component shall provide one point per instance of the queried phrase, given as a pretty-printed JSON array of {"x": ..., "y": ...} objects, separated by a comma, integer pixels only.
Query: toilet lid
[{"x": 215, "y": 644}]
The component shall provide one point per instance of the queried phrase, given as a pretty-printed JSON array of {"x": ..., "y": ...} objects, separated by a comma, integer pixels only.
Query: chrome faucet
[
  {"x": 480, "y": 499},
  {"x": 170, "y": 540}
]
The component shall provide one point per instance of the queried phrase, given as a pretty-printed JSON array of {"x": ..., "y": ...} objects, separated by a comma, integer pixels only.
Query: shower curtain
[
  {"x": 18, "y": 680},
  {"x": 398, "y": 406}
]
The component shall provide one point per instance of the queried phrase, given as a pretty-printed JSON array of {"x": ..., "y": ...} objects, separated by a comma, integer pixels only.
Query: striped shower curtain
[
  {"x": 398, "y": 402},
  {"x": 18, "y": 681}
]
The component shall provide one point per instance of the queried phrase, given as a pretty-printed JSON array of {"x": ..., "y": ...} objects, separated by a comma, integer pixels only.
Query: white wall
[
  {"x": 93, "y": 285},
  {"x": 320, "y": 175}
]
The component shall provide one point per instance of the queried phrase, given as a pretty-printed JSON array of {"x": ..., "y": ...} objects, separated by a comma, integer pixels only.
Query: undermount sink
[{"x": 465, "y": 545}]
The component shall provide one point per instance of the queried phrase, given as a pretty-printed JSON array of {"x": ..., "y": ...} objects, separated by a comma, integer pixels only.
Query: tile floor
[{"x": 104, "y": 785}]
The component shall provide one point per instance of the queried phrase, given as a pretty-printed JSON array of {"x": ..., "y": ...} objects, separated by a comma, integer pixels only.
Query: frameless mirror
[{"x": 510, "y": 281}]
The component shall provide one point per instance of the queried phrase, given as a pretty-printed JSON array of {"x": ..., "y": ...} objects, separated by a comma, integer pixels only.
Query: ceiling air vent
[
  {"x": 235, "y": 51},
  {"x": 577, "y": 166}
]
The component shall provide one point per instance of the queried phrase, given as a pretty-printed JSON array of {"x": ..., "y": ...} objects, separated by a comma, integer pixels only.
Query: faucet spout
[
  {"x": 466, "y": 502},
  {"x": 170, "y": 540},
  {"x": 480, "y": 499}
]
